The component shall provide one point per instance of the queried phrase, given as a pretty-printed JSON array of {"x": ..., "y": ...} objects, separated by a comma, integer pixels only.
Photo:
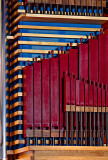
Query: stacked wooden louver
[{"x": 26, "y": 39}]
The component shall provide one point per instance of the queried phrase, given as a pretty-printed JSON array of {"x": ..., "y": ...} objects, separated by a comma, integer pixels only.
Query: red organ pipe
[
  {"x": 81, "y": 93},
  {"x": 73, "y": 81},
  {"x": 93, "y": 60},
  {"x": 73, "y": 62},
  {"x": 63, "y": 67},
  {"x": 67, "y": 91},
  {"x": 77, "y": 95},
  {"x": 45, "y": 94},
  {"x": 90, "y": 95},
  {"x": 95, "y": 94},
  {"x": 28, "y": 97},
  {"x": 103, "y": 58},
  {"x": 54, "y": 92},
  {"x": 83, "y": 61},
  {"x": 37, "y": 94},
  {"x": 99, "y": 97}
]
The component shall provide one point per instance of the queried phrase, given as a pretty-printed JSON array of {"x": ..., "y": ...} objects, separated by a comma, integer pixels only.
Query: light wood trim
[
  {"x": 18, "y": 51},
  {"x": 16, "y": 78},
  {"x": 7, "y": 80},
  {"x": 68, "y": 158},
  {"x": 17, "y": 113},
  {"x": 17, "y": 142},
  {"x": 7, "y": 63},
  {"x": 7, "y": 124},
  {"x": 7, "y": 115},
  {"x": 7, "y": 106},
  {"x": 7, "y": 71},
  {"x": 19, "y": 85},
  {"x": 16, "y": 69},
  {"x": 16, "y": 133},
  {"x": 16, "y": 105},
  {"x": 55, "y": 28},
  {"x": 10, "y": 152},
  {"x": 60, "y": 18},
  {"x": 74, "y": 108},
  {"x": 15, "y": 6},
  {"x": 25, "y": 158},
  {"x": 54, "y": 36},
  {"x": 15, "y": 52},
  {"x": 16, "y": 123},
  {"x": 16, "y": 95},
  {"x": 79, "y": 150},
  {"x": 7, "y": 97},
  {"x": 19, "y": 59},
  {"x": 17, "y": 13},
  {"x": 16, "y": 44},
  {"x": 11, "y": 2},
  {"x": 50, "y": 36}
]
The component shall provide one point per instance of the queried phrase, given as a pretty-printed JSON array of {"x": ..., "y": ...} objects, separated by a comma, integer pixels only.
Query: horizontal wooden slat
[
  {"x": 11, "y": 2},
  {"x": 15, "y": 78},
  {"x": 19, "y": 85},
  {"x": 19, "y": 59},
  {"x": 16, "y": 6},
  {"x": 16, "y": 95},
  {"x": 16, "y": 123},
  {"x": 16, "y": 44},
  {"x": 16, "y": 133},
  {"x": 18, "y": 51},
  {"x": 16, "y": 142},
  {"x": 50, "y": 36},
  {"x": 17, "y": 113},
  {"x": 19, "y": 11},
  {"x": 16, "y": 69},
  {"x": 16, "y": 105},
  {"x": 68, "y": 158},
  {"x": 60, "y": 18},
  {"x": 54, "y": 28}
]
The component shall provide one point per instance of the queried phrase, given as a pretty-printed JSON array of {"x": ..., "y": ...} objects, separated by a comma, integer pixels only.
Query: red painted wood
[
  {"x": 82, "y": 97},
  {"x": 54, "y": 81},
  {"x": 103, "y": 58},
  {"x": 83, "y": 61},
  {"x": 28, "y": 98},
  {"x": 37, "y": 94},
  {"x": 45, "y": 94},
  {"x": 91, "y": 102},
  {"x": 73, "y": 62},
  {"x": 63, "y": 62},
  {"x": 99, "y": 97},
  {"x": 73, "y": 83},
  {"x": 67, "y": 94},
  {"x": 90, "y": 95},
  {"x": 86, "y": 94},
  {"x": 81, "y": 93},
  {"x": 95, "y": 95},
  {"x": 73, "y": 90},
  {"x": 77, "y": 94},
  {"x": 107, "y": 98},
  {"x": 86, "y": 98},
  {"x": 93, "y": 60},
  {"x": 67, "y": 91},
  {"x": 103, "y": 97}
]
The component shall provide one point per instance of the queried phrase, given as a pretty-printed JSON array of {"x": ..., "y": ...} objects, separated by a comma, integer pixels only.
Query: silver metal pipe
[{"x": 3, "y": 78}]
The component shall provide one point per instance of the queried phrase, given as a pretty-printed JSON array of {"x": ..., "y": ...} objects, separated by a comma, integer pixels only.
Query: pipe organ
[{"x": 56, "y": 73}]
